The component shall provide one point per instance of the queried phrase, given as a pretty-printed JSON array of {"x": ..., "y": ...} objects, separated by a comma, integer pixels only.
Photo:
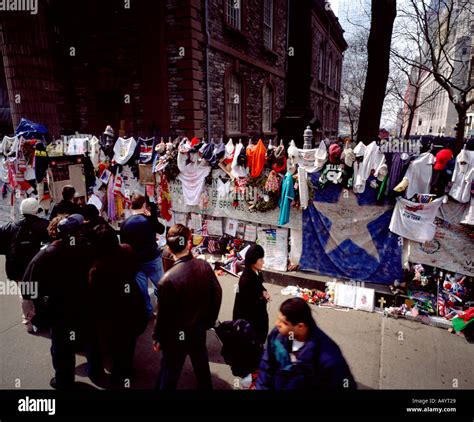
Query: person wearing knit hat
[
  {"x": 335, "y": 154},
  {"x": 20, "y": 241},
  {"x": 251, "y": 297}
]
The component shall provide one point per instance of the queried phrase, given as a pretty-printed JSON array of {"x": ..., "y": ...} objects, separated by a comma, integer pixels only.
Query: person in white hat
[{"x": 20, "y": 241}]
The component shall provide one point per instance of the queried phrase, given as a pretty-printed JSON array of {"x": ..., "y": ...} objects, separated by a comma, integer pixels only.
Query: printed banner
[
  {"x": 224, "y": 208},
  {"x": 451, "y": 249}
]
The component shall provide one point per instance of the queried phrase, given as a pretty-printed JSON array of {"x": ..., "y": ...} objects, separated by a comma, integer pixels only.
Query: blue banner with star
[{"x": 347, "y": 240}]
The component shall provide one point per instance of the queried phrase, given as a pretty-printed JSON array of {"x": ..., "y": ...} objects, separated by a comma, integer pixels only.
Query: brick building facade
[{"x": 238, "y": 67}]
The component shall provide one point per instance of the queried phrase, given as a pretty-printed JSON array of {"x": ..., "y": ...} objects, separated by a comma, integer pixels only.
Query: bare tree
[
  {"x": 353, "y": 80},
  {"x": 406, "y": 84},
  {"x": 382, "y": 17},
  {"x": 440, "y": 33}
]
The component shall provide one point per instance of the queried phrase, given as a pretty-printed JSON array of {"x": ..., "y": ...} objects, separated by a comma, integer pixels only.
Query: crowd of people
[{"x": 93, "y": 297}]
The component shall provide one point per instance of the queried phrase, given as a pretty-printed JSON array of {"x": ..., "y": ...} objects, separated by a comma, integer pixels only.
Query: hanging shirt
[
  {"x": 419, "y": 175},
  {"x": 373, "y": 160},
  {"x": 399, "y": 162},
  {"x": 192, "y": 177},
  {"x": 229, "y": 152},
  {"x": 145, "y": 150},
  {"x": 124, "y": 149},
  {"x": 41, "y": 161},
  {"x": 238, "y": 170},
  {"x": 415, "y": 221},
  {"x": 463, "y": 176},
  {"x": 303, "y": 187},
  {"x": 94, "y": 151},
  {"x": 223, "y": 189},
  {"x": 258, "y": 159},
  {"x": 287, "y": 195},
  {"x": 9, "y": 146}
]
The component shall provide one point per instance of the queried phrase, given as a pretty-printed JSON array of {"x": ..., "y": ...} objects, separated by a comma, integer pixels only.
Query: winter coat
[
  {"x": 22, "y": 240},
  {"x": 250, "y": 304},
  {"x": 117, "y": 302},
  {"x": 189, "y": 298},
  {"x": 62, "y": 271},
  {"x": 319, "y": 364}
]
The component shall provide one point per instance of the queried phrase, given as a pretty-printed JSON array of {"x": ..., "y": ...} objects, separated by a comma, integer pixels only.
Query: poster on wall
[
  {"x": 250, "y": 233},
  {"x": 180, "y": 218},
  {"x": 345, "y": 295},
  {"x": 225, "y": 208},
  {"x": 231, "y": 226},
  {"x": 214, "y": 227},
  {"x": 65, "y": 173},
  {"x": 275, "y": 245},
  {"x": 365, "y": 298}
]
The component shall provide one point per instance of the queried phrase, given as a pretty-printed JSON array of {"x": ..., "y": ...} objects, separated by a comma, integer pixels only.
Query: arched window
[
  {"x": 267, "y": 108},
  {"x": 234, "y": 104}
]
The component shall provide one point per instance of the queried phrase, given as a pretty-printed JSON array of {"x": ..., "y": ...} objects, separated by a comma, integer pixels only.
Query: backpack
[
  {"x": 241, "y": 348},
  {"x": 4, "y": 240},
  {"x": 24, "y": 245}
]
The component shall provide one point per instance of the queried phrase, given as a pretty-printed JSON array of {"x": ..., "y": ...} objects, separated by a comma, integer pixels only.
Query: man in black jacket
[
  {"x": 189, "y": 301},
  {"x": 66, "y": 205},
  {"x": 21, "y": 241},
  {"x": 62, "y": 271}
]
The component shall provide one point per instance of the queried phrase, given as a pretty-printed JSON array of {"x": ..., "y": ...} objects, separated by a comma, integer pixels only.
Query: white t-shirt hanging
[
  {"x": 238, "y": 170},
  {"x": 124, "y": 149},
  {"x": 415, "y": 221},
  {"x": 192, "y": 177},
  {"x": 94, "y": 151},
  {"x": 9, "y": 146},
  {"x": 223, "y": 189},
  {"x": 462, "y": 176},
  {"x": 373, "y": 160},
  {"x": 419, "y": 175},
  {"x": 303, "y": 187}
]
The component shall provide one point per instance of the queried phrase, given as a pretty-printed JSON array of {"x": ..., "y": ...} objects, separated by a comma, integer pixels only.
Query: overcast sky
[{"x": 334, "y": 6}]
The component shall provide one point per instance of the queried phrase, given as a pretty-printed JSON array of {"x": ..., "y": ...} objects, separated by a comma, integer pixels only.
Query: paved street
[{"x": 382, "y": 353}]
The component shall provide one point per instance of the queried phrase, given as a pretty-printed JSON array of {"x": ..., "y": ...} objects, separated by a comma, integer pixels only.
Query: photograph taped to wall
[
  {"x": 76, "y": 178},
  {"x": 214, "y": 227},
  {"x": 146, "y": 175}
]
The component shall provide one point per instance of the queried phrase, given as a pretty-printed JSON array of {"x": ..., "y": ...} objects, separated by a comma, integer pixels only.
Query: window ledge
[
  {"x": 272, "y": 54},
  {"x": 234, "y": 32}
]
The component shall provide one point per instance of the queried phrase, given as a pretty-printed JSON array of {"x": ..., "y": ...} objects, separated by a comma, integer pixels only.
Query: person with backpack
[
  {"x": 300, "y": 356},
  {"x": 21, "y": 241},
  {"x": 189, "y": 301},
  {"x": 62, "y": 272},
  {"x": 251, "y": 297}
]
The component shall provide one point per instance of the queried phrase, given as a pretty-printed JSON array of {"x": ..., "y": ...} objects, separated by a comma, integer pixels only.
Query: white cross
[{"x": 382, "y": 302}]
